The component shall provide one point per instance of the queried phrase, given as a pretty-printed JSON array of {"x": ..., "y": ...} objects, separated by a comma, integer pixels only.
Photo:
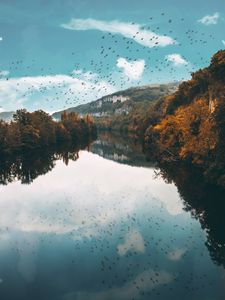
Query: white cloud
[
  {"x": 4, "y": 73},
  {"x": 223, "y": 41},
  {"x": 176, "y": 254},
  {"x": 84, "y": 75},
  {"x": 133, "y": 70},
  {"x": 133, "y": 241},
  {"x": 176, "y": 59},
  {"x": 144, "y": 282},
  {"x": 56, "y": 91},
  {"x": 133, "y": 31},
  {"x": 26, "y": 265},
  {"x": 23, "y": 212},
  {"x": 1, "y": 38},
  {"x": 209, "y": 19}
]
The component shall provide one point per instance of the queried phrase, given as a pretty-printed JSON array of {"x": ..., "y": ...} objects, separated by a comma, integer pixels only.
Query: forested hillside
[
  {"x": 190, "y": 124},
  {"x": 37, "y": 130},
  {"x": 122, "y": 102}
]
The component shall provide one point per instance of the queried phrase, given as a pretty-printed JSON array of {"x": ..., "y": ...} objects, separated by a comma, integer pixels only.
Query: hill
[
  {"x": 7, "y": 115},
  {"x": 190, "y": 125},
  {"x": 122, "y": 102}
]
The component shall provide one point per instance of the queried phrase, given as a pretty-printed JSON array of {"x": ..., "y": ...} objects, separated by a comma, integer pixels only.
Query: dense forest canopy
[
  {"x": 188, "y": 125},
  {"x": 191, "y": 123},
  {"x": 36, "y": 130}
]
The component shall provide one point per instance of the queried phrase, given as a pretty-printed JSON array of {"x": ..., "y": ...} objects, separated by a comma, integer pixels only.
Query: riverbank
[
  {"x": 187, "y": 126},
  {"x": 36, "y": 131}
]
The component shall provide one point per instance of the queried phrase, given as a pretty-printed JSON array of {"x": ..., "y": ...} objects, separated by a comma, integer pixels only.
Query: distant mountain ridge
[
  {"x": 122, "y": 102},
  {"x": 7, "y": 115},
  {"x": 118, "y": 103}
]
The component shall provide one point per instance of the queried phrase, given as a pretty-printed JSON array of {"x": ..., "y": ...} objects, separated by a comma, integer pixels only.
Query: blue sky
[{"x": 60, "y": 53}]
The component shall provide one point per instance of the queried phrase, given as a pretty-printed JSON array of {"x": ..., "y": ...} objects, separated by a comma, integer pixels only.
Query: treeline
[
  {"x": 26, "y": 168},
  {"x": 191, "y": 124},
  {"x": 188, "y": 125},
  {"x": 204, "y": 201},
  {"x": 133, "y": 122},
  {"x": 37, "y": 130}
]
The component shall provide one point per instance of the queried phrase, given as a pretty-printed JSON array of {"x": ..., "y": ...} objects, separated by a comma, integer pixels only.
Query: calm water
[{"x": 106, "y": 226}]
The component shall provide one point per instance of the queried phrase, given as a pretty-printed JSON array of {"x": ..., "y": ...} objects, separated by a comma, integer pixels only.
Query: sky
[{"x": 60, "y": 53}]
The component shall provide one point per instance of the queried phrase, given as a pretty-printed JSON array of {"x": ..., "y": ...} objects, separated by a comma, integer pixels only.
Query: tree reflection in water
[
  {"x": 28, "y": 166},
  {"x": 205, "y": 202}
]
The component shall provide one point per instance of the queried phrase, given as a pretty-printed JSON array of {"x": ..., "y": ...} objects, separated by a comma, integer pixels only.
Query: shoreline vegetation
[
  {"x": 187, "y": 126},
  {"x": 37, "y": 131},
  {"x": 196, "y": 194},
  {"x": 27, "y": 166}
]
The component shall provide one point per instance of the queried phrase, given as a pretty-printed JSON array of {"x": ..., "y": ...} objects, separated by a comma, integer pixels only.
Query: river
[{"x": 107, "y": 224}]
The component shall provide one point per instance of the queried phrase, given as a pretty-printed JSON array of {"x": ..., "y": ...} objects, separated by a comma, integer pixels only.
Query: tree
[{"x": 22, "y": 117}]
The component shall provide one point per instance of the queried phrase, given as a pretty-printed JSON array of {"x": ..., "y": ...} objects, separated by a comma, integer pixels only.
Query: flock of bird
[
  {"x": 145, "y": 256},
  {"x": 103, "y": 75},
  {"x": 148, "y": 265}
]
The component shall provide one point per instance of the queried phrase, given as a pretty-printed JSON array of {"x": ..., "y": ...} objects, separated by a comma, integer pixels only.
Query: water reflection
[
  {"x": 28, "y": 166},
  {"x": 99, "y": 229},
  {"x": 205, "y": 202},
  {"x": 123, "y": 149}
]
